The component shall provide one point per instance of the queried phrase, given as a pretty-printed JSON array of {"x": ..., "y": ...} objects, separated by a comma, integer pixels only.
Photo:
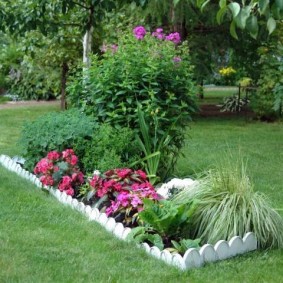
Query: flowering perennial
[
  {"x": 60, "y": 170},
  {"x": 124, "y": 191}
]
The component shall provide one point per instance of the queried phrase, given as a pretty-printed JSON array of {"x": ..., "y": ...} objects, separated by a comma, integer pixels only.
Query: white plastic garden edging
[{"x": 191, "y": 259}]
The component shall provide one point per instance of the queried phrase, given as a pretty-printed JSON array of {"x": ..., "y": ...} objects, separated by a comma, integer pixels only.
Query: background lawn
[{"x": 44, "y": 241}]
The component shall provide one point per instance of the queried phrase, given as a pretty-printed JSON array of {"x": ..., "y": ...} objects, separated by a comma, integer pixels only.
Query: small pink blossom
[
  {"x": 174, "y": 37},
  {"x": 139, "y": 32},
  {"x": 53, "y": 155},
  {"x": 158, "y": 33},
  {"x": 123, "y": 173},
  {"x": 141, "y": 173},
  {"x": 46, "y": 180},
  {"x": 70, "y": 191}
]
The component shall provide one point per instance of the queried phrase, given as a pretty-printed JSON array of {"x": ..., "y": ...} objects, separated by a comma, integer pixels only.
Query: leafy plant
[
  {"x": 119, "y": 192},
  {"x": 55, "y": 131},
  {"x": 162, "y": 223},
  {"x": 153, "y": 72},
  {"x": 107, "y": 148},
  {"x": 233, "y": 104},
  {"x": 152, "y": 147},
  {"x": 60, "y": 170},
  {"x": 228, "y": 206},
  {"x": 265, "y": 102}
]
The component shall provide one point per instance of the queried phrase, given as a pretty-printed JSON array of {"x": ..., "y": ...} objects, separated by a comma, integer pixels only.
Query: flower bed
[{"x": 193, "y": 257}]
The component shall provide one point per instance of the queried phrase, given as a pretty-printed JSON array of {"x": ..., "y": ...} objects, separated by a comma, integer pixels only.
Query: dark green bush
[
  {"x": 55, "y": 131},
  {"x": 267, "y": 102},
  {"x": 108, "y": 148}
]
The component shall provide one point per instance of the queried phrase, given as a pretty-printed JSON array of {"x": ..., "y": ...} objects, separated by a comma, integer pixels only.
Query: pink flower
[
  {"x": 43, "y": 166},
  {"x": 139, "y": 32},
  {"x": 78, "y": 177},
  {"x": 74, "y": 160},
  {"x": 66, "y": 153},
  {"x": 158, "y": 33},
  {"x": 114, "y": 48},
  {"x": 174, "y": 37},
  {"x": 123, "y": 173},
  {"x": 65, "y": 183},
  {"x": 123, "y": 198},
  {"x": 70, "y": 191},
  {"x": 53, "y": 155},
  {"x": 177, "y": 59},
  {"x": 136, "y": 201},
  {"x": 141, "y": 173},
  {"x": 46, "y": 180}
]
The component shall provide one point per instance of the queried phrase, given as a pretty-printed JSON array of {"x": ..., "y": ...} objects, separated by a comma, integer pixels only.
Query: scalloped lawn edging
[{"x": 192, "y": 258}]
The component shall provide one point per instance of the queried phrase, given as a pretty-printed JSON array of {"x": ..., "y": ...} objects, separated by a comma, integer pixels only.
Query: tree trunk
[
  {"x": 87, "y": 46},
  {"x": 64, "y": 73}
]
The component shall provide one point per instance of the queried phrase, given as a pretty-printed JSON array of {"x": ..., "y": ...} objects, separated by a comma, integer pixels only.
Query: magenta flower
[
  {"x": 123, "y": 198},
  {"x": 136, "y": 201},
  {"x": 158, "y": 33},
  {"x": 123, "y": 173},
  {"x": 142, "y": 174},
  {"x": 139, "y": 32},
  {"x": 177, "y": 59},
  {"x": 174, "y": 37},
  {"x": 53, "y": 155},
  {"x": 46, "y": 180}
]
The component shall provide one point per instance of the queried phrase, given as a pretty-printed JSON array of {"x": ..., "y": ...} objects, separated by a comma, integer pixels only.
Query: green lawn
[
  {"x": 44, "y": 241},
  {"x": 215, "y": 95}
]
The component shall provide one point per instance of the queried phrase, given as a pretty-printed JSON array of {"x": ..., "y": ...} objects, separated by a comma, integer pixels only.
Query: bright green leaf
[
  {"x": 242, "y": 17},
  {"x": 220, "y": 15},
  {"x": 235, "y": 9},
  {"x": 233, "y": 30},
  {"x": 271, "y": 25},
  {"x": 222, "y": 3}
]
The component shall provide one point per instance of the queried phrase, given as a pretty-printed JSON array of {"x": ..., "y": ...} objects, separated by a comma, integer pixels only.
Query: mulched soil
[{"x": 211, "y": 110}]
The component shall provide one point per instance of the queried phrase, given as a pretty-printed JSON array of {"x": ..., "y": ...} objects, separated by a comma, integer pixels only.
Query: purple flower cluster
[
  {"x": 174, "y": 37},
  {"x": 158, "y": 33},
  {"x": 139, "y": 32}
]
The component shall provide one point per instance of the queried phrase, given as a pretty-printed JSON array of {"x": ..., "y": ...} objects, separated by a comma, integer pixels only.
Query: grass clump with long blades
[{"x": 229, "y": 206}]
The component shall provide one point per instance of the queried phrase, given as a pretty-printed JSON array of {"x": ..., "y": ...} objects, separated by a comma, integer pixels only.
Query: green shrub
[
  {"x": 35, "y": 82},
  {"x": 265, "y": 102},
  {"x": 228, "y": 206},
  {"x": 55, "y": 131},
  {"x": 107, "y": 148},
  {"x": 157, "y": 74}
]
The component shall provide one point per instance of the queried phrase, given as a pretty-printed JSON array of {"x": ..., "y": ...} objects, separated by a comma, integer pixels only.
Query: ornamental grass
[{"x": 229, "y": 206}]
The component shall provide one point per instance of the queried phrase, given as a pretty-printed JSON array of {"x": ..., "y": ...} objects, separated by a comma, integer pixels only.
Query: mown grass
[
  {"x": 11, "y": 121},
  {"x": 215, "y": 95},
  {"x": 43, "y": 241}
]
